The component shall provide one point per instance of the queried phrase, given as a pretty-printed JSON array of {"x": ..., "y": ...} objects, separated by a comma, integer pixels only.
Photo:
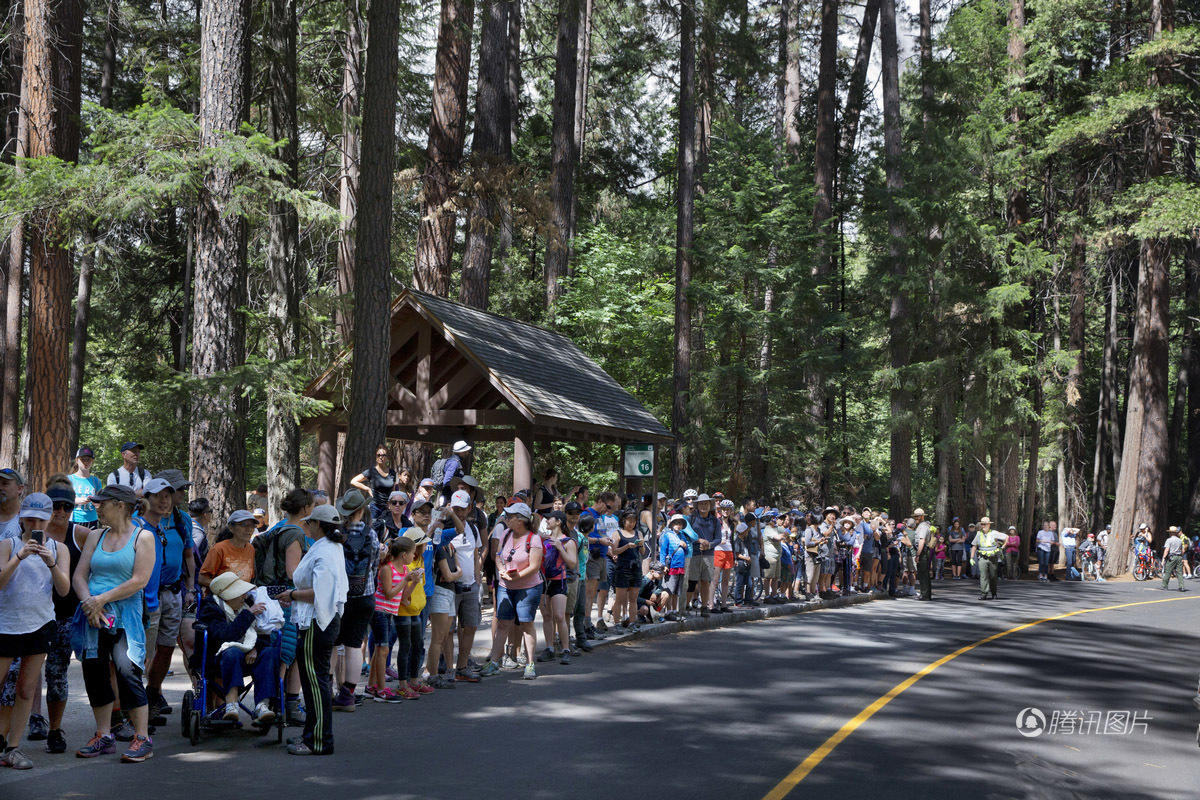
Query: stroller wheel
[
  {"x": 194, "y": 729},
  {"x": 186, "y": 711}
]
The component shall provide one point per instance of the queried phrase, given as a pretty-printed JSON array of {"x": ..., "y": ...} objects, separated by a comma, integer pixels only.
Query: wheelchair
[{"x": 197, "y": 718}]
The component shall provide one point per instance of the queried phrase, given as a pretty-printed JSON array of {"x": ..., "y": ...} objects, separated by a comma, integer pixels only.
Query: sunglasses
[
  {"x": 63, "y": 505},
  {"x": 395, "y": 502}
]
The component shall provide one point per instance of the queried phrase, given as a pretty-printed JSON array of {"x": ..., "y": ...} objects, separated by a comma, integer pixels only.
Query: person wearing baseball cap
[
  {"x": 518, "y": 565},
  {"x": 426, "y": 490},
  {"x": 130, "y": 473},
  {"x": 85, "y": 485},
  {"x": 360, "y": 547},
  {"x": 469, "y": 553}
]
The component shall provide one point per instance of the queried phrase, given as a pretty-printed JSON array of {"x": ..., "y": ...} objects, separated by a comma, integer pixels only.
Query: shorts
[
  {"x": 595, "y": 567},
  {"x": 442, "y": 601},
  {"x": 555, "y": 588},
  {"x": 956, "y": 557},
  {"x": 700, "y": 568},
  {"x": 15, "y": 645},
  {"x": 356, "y": 618},
  {"x": 910, "y": 562},
  {"x": 170, "y": 615},
  {"x": 467, "y": 608},
  {"x": 627, "y": 576},
  {"x": 723, "y": 559},
  {"x": 866, "y": 563},
  {"x": 151, "y": 619},
  {"x": 673, "y": 585},
  {"x": 811, "y": 567},
  {"x": 518, "y": 604},
  {"x": 774, "y": 569},
  {"x": 383, "y": 628}
]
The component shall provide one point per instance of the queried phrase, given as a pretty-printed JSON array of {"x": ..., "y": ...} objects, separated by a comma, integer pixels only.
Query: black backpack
[
  {"x": 270, "y": 561},
  {"x": 435, "y": 474},
  {"x": 360, "y": 550}
]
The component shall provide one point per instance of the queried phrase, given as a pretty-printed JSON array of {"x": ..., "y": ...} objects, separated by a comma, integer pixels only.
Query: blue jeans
[
  {"x": 264, "y": 671},
  {"x": 741, "y": 587},
  {"x": 1070, "y": 556},
  {"x": 893, "y": 569},
  {"x": 1043, "y": 563},
  {"x": 409, "y": 650}
]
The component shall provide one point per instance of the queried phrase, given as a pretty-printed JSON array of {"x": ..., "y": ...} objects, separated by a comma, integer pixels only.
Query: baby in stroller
[{"x": 232, "y": 644}]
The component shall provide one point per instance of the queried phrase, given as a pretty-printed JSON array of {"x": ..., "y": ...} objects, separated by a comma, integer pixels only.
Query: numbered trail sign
[{"x": 639, "y": 460}]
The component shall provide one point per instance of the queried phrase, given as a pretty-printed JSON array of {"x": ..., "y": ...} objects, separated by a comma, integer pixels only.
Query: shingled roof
[{"x": 538, "y": 373}]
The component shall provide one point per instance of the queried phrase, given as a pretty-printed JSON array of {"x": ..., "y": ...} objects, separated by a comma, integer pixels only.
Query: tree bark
[
  {"x": 562, "y": 149},
  {"x": 513, "y": 81},
  {"x": 1190, "y": 358},
  {"x": 372, "y": 237},
  {"x": 488, "y": 151},
  {"x": 825, "y": 157},
  {"x": 443, "y": 155},
  {"x": 1141, "y": 487},
  {"x": 856, "y": 93},
  {"x": 15, "y": 147},
  {"x": 283, "y": 261},
  {"x": 218, "y": 343},
  {"x": 900, "y": 483},
  {"x": 684, "y": 204},
  {"x": 108, "y": 64},
  {"x": 53, "y": 54},
  {"x": 348, "y": 174}
]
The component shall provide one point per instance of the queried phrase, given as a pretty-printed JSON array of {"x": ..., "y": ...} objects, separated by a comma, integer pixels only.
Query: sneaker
[
  {"x": 473, "y": 666},
  {"x": 420, "y": 687},
  {"x": 264, "y": 714},
  {"x": 575, "y": 651},
  {"x": 522, "y": 660},
  {"x": 386, "y": 695},
  {"x": 360, "y": 699},
  {"x": 38, "y": 729},
  {"x": 602, "y": 626},
  {"x": 56, "y": 742},
  {"x": 489, "y": 669},
  {"x": 231, "y": 712},
  {"x": 98, "y": 745},
  {"x": 294, "y": 713},
  {"x": 123, "y": 731},
  {"x": 372, "y": 692},
  {"x": 344, "y": 701},
  {"x": 545, "y": 655},
  {"x": 15, "y": 759},
  {"x": 437, "y": 682},
  {"x": 564, "y": 657},
  {"x": 392, "y": 675},
  {"x": 141, "y": 749},
  {"x": 704, "y": 612},
  {"x": 530, "y": 673},
  {"x": 406, "y": 693},
  {"x": 299, "y": 749},
  {"x": 466, "y": 676},
  {"x": 160, "y": 707},
  {"x": 507, "y": 662}
]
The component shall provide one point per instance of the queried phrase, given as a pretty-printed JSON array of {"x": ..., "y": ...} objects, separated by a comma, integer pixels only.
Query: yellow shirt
[{"x": 416, "y": 601}]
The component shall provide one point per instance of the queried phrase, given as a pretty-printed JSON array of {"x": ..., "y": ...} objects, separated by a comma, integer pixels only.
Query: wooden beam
[
  {"x": 523, "y": 458},
  {"x": 456, "y": 417},
  {"x": 423, "y": 364},
  {"x": 447, "y": 434},
  {"x": 458, "y": 384}
]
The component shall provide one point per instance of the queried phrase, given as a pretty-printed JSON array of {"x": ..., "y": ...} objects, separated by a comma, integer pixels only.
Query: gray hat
[
  {"x": 350, "y": 502},
  {"x": 241, "y": 515},
  {"x": 115, "y": 492},
  {"x": 324, "y": 513},
  {"x": 174, "y": 477}
]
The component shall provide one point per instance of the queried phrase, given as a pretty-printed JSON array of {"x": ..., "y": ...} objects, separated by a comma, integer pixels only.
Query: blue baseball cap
[
  {"x": 130, "y": 446},
  {"x": 12, "y": 475}
]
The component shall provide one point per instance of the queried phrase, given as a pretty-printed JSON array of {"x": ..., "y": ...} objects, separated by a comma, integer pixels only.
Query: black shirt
[{"x": 381, "y": 486}]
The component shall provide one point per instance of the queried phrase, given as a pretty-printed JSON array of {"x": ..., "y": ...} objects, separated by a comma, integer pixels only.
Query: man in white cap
[
  {"x": 451, "y": 469},
  {"x": 468, "y": 552}
]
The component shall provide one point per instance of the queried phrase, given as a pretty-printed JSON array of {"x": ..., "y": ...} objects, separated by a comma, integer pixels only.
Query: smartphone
[{"x": 37, "y": 536}]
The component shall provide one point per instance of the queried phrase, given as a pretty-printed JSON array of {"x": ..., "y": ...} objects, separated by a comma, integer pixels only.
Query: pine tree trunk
[
  {"x": 562, "y": 149},
  {"x": 825, "y": 156},
  {"x": 218, "y": 343},
  {"x": 487, "y": 148},
  {"x": 1075, "y": 481},
  {"x": 53, "y": 53},
  {"x": 283, "y": 260},
  {"x": 447, "y": 130},
  {"x": 900, "y": 483},
  {"x": 685, "y": 195},
  {"x": 15, "y": 146},
  {"x": 512, "y": 108},
  {"x": 856, "y": 93},
  {"x": 348, "y": 174},
  {"x": 1141, "y": 487},
  {"x": 369, "y": 382},
  {"x": 1191, "y": 346}
]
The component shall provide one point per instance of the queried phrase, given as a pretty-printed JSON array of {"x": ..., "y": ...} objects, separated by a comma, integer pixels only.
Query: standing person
[
  {"x": 155, "y": 507},
  {"x": 868, "y": 555},
  {"x": 1046, "y": 539},
  {"x": 558, "y": 560},
  {"x": 130, "y": 473},
  {"x": 890, "y": 544},
  {"x": 971, "y": 567},
  {"x": 958, "y": 541},
  {"x": 576, "y": 593},
  {"x": 377, "y": 482},
  {"x": 12, "y": 488},
  {"x": 518, "y": 564},
  {"x": 986, "y": 549},
  {"x": 33, "y": 569},
  {"x": 1172, "y": 556},
  {"x": 389, "y": 593},
  {"x": 442, "y": 605},
  {"x": 410, "y": 629},
  {"x": 1102, "y": 548},
  {"x": 176, "y": 579},
  {"x": 742, "y": 591},
  {"x": 468, "y": 551},
  {"x": 599, "y": 540},
  {"x": 450, "y": 469},
  {"x": 85, "y": 485},
  {"x": 674, "y": 549},
  {"x": 773, "y": 552},
  {"x": 723, "y": 559},
  {"x": 425, "y": 492},
  {"x": 920, "y": 538},
  {"x": 318, "y": 599},
  {"x": 1012, "y": 554},
  {"x": 394, "y": 521},
  {"x": 360, "y": 550},
  {"x": 547, "y": 492},
  {"x": 701, "y": 567},
  {"x": 627, "y": 551},
  {"x": 1070, "y": 541},
  {"x": 114, "y": 568},
  {"x": 257, "y": 500}
]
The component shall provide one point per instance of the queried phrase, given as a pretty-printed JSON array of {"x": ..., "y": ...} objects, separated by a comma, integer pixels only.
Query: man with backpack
[
  {"x": 447, "y": 470},
  {"x": 361, "y": 549},
  {"x": 130, "y": 473}
]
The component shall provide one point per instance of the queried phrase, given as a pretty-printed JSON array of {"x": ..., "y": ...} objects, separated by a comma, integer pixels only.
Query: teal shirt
[{"x": 84, "y": 487}]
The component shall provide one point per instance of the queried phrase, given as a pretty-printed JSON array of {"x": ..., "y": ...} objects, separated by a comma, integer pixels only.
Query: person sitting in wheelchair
[{"x": 235, "y": 648}]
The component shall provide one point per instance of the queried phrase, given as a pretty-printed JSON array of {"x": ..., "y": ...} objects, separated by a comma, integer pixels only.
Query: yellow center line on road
[{"x": 793, "y": 779}]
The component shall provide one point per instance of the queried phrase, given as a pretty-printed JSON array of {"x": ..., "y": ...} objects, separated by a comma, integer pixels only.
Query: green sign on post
[{"x": 639, "y": 460}]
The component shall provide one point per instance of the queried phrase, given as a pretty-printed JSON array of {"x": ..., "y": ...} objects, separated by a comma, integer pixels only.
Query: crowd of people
[{"x": 378, "y": 595}]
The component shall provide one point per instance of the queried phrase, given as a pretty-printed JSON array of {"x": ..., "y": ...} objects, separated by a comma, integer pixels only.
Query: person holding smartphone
[{"x": 32, "y": 569}]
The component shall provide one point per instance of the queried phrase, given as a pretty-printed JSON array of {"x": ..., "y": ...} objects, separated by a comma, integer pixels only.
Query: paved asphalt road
[{"x": 730, "y": 713}]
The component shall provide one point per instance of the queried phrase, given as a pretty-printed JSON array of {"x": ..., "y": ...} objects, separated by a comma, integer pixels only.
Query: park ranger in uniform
[
  {"x": 986, "y": 547},
  {"x": 1173, "y": 558},
  {"x": 922, "y": 541}
]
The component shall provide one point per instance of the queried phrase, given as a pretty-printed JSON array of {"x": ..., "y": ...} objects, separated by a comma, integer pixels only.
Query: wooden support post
[
  {"x": 523, "y": 458},
  {"x": 327, "y": 436}
]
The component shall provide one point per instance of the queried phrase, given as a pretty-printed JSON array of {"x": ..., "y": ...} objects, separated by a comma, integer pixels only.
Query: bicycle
[{"x": 1147, "y": 566}]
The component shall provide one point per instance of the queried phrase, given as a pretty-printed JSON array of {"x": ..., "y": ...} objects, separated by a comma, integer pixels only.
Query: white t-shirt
[
  {"x": 608, "y": 524},
  {"x": 465, "y": 545},
  {"x": 11, "y": 529},
  {"x": 726, "y": 543},
  {"x": 134, "y": 480}
]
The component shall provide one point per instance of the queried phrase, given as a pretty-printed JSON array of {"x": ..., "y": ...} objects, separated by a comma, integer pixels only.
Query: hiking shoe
[
  {"x": 159, "y": 706},
  {"x": 508, "y": 662},
  {"x": 359, "y": 699},
  {"x": 56, "y": 742},
  {"x": 141, "y": 749},
  {"x": 264, "y": 714},
  {"x": 530, "y": 673},
  {"x": 38, "y": 729},
  {"x": 15, "y": 759},
  {"x": 392, "y": 675},
  {"x": 584, "y": 646},
  {"x": 545, "y": 655},
  {"x": 344, "y": 701},
  {"x": 98, "y": 745},
  {"x": 231, "y": 712},
  {"x": 574, "y": 651},
  {"x": 489, "y": 669},
  {"x": 466, "y": 676},
  {"x": 564, "y": 657},
  {"x": 123, "y": 731},
  {"x": 704, "y": 612}
]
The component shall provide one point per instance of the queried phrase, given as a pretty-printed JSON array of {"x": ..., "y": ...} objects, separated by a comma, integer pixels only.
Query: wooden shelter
[{"x": 461, "y": 373}]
